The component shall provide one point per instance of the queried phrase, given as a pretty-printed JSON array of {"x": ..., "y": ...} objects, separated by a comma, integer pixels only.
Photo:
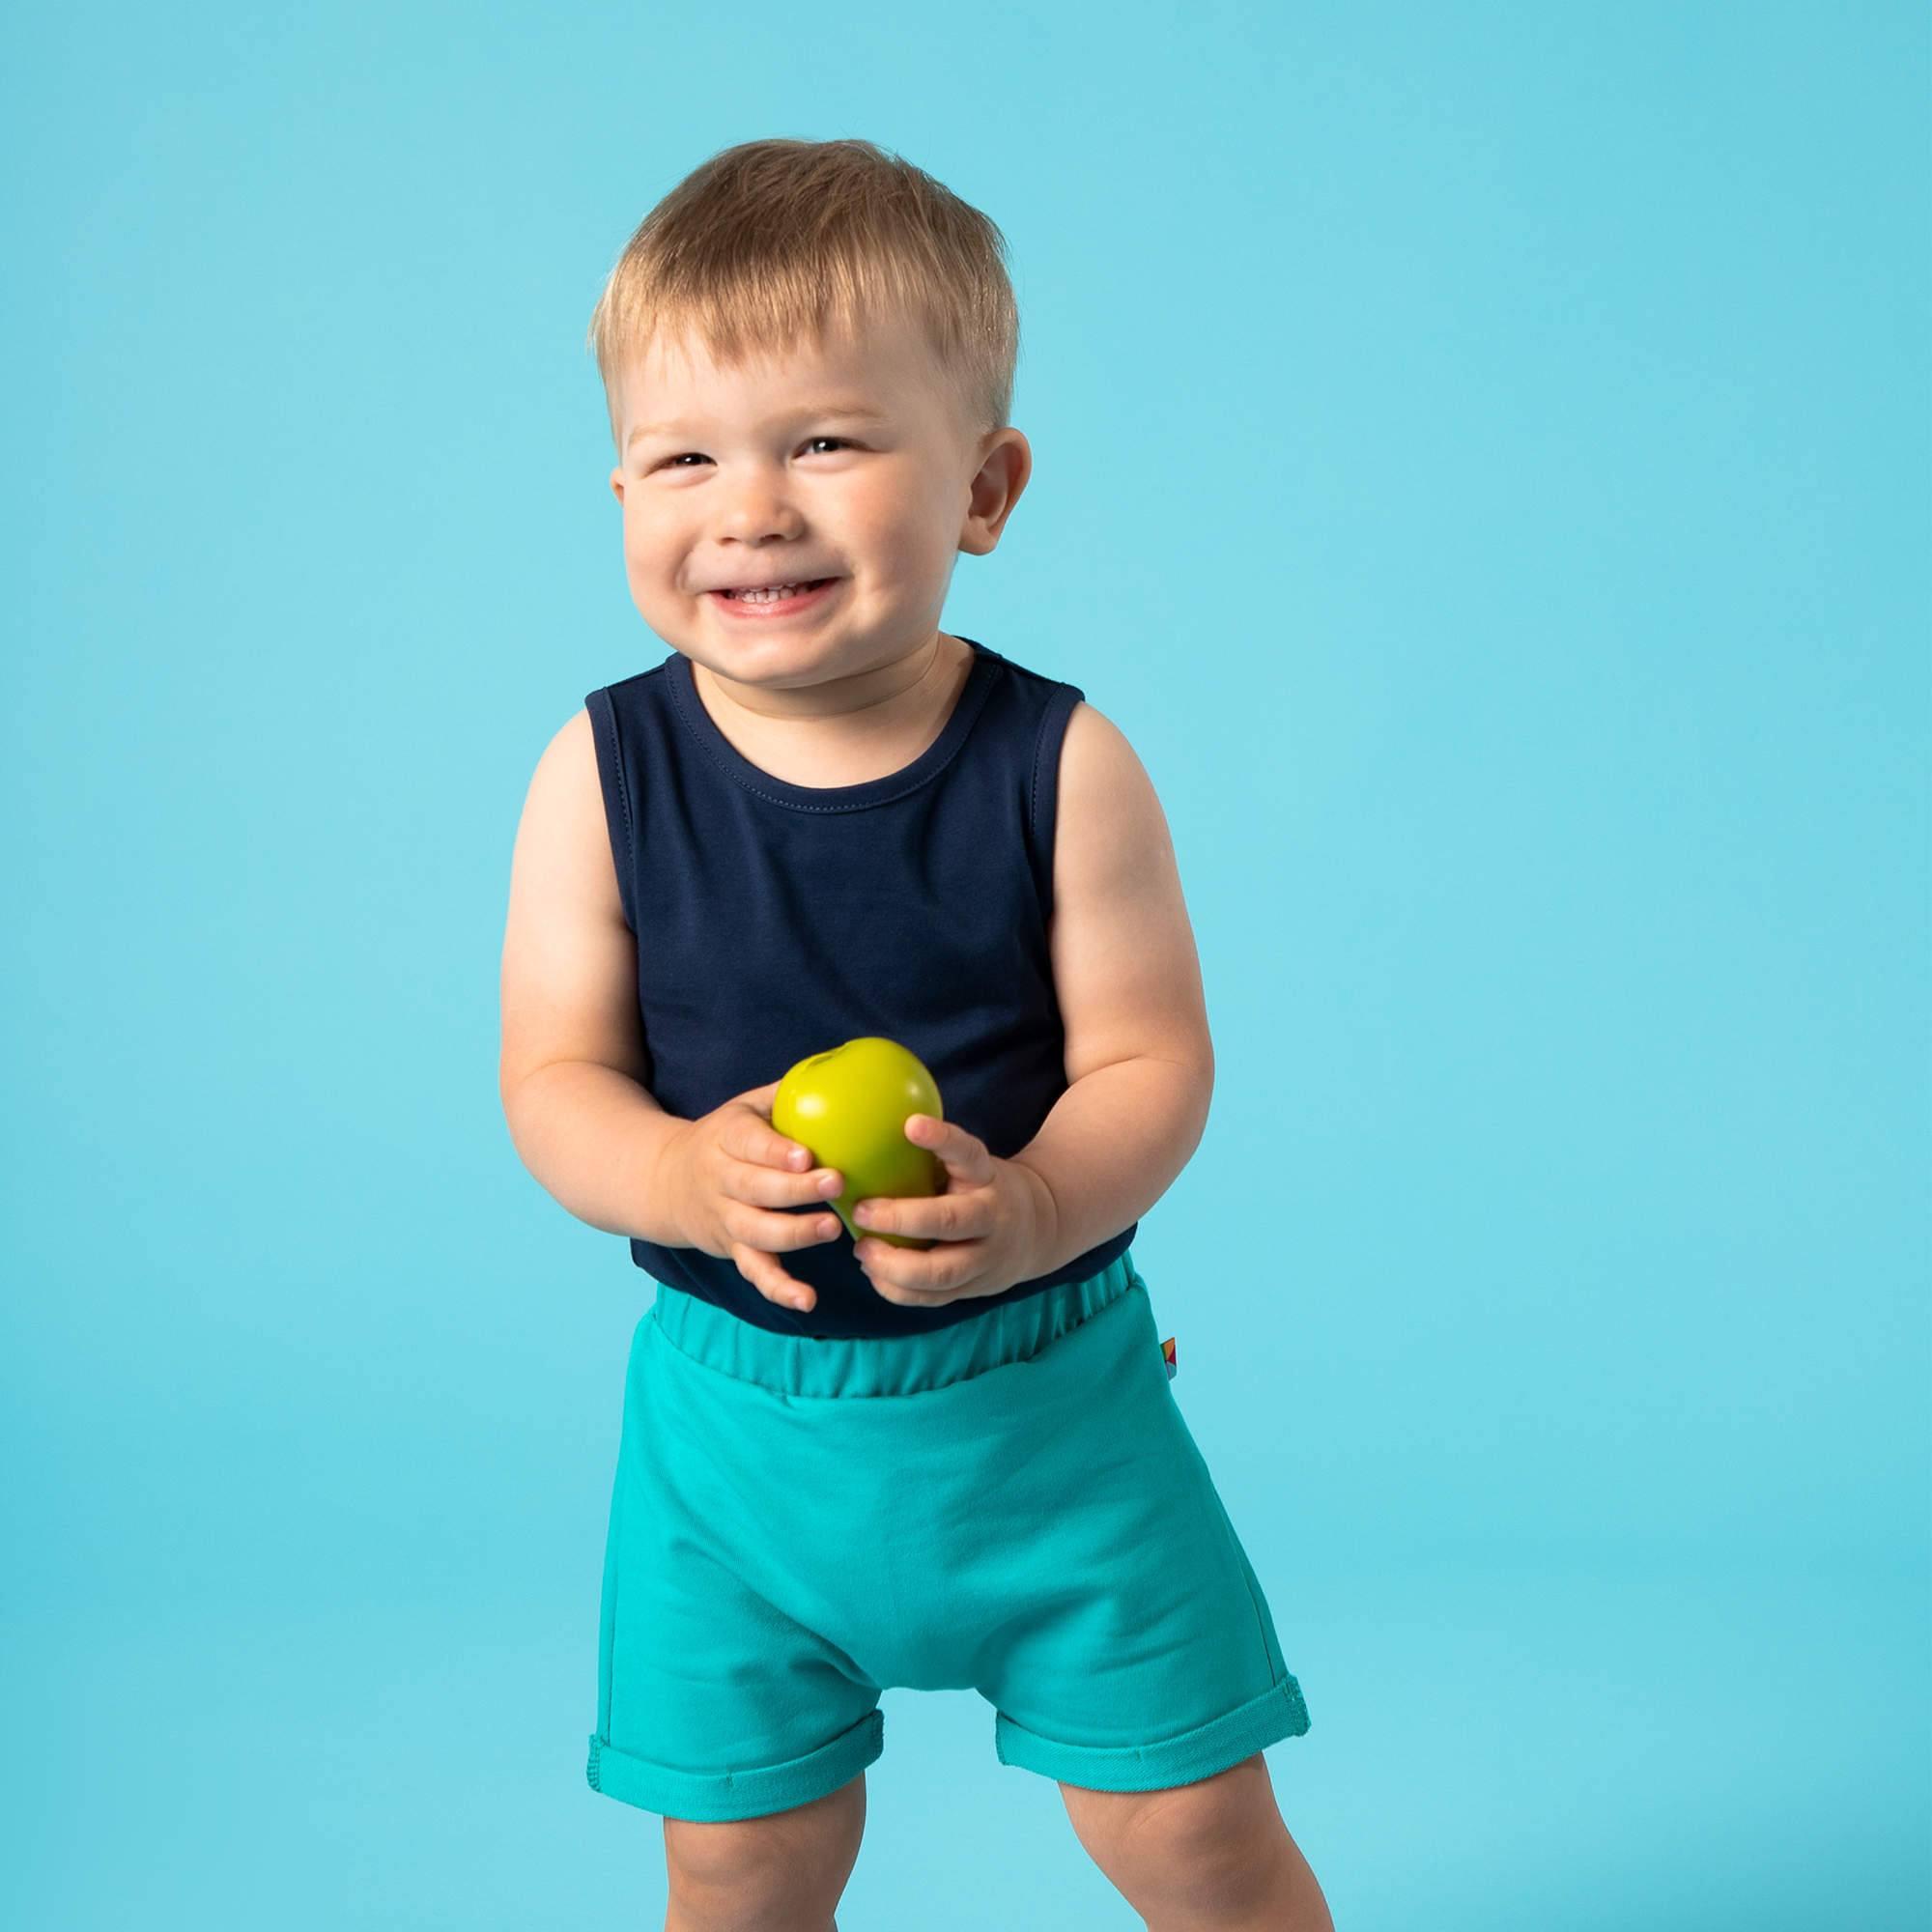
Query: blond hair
[{"x": 768, "y": 244}]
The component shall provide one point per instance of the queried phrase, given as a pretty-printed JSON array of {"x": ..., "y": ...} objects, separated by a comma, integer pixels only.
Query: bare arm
[
  {"x": 1140, "y": 1062},
  {"x": 593, "y": 1138},
  {"x": 1111, "y": 1148},
  {"x": 572, "y": 1068}
]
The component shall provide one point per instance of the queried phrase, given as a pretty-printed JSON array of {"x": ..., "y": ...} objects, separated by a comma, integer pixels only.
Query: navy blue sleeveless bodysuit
[{"x": 775, "y": 920}]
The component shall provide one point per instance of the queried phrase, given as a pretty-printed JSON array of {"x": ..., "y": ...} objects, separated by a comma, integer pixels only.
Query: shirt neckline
[{"x": 754, "y": 778}]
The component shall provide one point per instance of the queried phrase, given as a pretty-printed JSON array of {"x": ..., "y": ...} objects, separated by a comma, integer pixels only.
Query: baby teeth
[{"x": 770, "y": 596}]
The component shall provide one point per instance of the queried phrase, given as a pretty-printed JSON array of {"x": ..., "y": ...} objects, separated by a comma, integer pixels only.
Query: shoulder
[
  {"x": 1124, "y": 970},
  {"x": 1109, "y": 825},
  {"x": 564, "y": 806},
  {"x": 1100, "y": 773},
  {"x": 570, "y": 755}
]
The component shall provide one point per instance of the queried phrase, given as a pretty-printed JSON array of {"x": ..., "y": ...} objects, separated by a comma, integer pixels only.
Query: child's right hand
[{"x": 725, "y": 1172}]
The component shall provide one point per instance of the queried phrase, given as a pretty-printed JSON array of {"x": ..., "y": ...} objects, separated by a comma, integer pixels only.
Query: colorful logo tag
[{"x": 1167, "y": 1355}]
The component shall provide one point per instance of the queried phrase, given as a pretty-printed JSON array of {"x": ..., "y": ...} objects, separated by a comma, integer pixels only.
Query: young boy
[{"x": 820, "y": 816}]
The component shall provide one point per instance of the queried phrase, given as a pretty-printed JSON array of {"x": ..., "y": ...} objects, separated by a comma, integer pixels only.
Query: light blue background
[{"x": 1480, "y": 466}]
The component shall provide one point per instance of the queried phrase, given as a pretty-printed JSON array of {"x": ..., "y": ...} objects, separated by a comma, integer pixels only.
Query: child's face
[{"x": 731, "y": 477}]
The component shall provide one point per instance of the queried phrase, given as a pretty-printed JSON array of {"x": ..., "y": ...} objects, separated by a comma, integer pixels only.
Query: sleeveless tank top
[{"x": 775, "y": 920}]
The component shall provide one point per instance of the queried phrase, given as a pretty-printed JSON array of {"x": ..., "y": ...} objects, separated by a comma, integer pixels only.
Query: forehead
[{"x": 676, "y": 375}]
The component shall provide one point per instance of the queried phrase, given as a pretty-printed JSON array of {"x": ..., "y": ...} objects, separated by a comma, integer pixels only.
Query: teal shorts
[{"x": 1014, "y": 1504}]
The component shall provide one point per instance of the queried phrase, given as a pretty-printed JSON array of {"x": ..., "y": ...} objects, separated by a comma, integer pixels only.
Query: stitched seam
[
  {"x": 843, "y": 1395},
  {"x": 1233, "y": 1541},
  {"x": 1042, "y": 873},
  {"x": 1032, "y": 808},
  {"x": 609, "y": 711},
  {"x": 617, "y": 1591},
  {"x": 892, "y": 1395},
  {"x": 737, "y": 777},
  {"x": 624, "y": 799}
]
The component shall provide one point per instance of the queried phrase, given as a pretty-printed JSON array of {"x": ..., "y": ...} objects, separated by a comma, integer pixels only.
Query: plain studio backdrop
[{"x": 1482, "y": 463}]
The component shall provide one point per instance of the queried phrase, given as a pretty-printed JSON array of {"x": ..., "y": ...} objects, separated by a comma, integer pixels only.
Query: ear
[{"x": 1005, "y": 466}]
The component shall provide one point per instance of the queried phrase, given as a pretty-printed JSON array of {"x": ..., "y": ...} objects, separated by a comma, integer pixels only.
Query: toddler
[{"x": 848, "y": 1465}]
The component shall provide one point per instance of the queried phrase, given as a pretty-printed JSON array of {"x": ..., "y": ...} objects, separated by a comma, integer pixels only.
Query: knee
[
  {"x": 1212, "y": 1848},
  {"x": 1202, "y": 1859},
  {"x": 783, "y": 1871}
]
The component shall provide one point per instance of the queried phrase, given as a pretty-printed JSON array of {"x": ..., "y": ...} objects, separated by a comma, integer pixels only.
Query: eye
[{"x": 840, "y": 441}]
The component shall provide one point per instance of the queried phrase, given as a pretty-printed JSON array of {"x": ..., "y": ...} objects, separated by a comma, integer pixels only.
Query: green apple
[{"x": 849, "y": 1105}]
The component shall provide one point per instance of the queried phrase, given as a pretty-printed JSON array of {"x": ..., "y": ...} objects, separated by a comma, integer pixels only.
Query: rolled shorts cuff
[
  {"x": 722, "y": 1796},
  {"x": 1213, "y": 1746}
]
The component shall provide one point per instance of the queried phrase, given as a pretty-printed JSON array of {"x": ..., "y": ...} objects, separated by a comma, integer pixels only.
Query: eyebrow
[{"x": 851, "y": 412}]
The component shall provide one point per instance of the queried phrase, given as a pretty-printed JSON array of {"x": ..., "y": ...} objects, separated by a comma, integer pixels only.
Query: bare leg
[{"x": 783, "y": 1872}]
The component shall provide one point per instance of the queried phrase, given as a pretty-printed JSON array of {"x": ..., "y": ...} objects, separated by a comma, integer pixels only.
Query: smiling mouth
[
  {"x": 792, "y": 598},
  {"x": 762, "y": 591}
]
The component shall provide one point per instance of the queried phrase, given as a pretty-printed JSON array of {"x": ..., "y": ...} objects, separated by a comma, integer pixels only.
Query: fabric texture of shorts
[{"x": 1012, "y": 1504}]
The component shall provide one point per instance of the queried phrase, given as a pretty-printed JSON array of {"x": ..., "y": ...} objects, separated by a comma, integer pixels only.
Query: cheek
[
  {"x": 645, "y": 573},
  {"x": 645, "y": 548},
  {"x": 902, "y": 526}
]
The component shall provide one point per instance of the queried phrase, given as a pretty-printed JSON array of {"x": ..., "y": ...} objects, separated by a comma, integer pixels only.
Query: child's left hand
[{"x": 989, "y": 1226}]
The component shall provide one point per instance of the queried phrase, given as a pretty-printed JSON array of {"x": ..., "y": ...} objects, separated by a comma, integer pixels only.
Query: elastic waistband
[{"x": 859, "y": 1365}]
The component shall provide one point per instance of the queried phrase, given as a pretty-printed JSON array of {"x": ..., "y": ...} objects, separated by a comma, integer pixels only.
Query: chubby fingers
[
  {"x": 965, "y": 1155},
  {"x": 925, "y": 1218},
  {"x": 913, "y": 1275},
  {"x": 963, "y": 1212},
  {"x": 954, "y": 1216}
]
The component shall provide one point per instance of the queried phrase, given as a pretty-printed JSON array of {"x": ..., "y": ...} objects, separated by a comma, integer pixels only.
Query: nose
[{"x": 756, "y": 507}]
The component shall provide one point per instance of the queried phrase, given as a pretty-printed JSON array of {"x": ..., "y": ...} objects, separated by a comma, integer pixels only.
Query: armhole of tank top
[
  {"x": 1043, "y": 791},
  {"x": 617, "y": 818}
]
